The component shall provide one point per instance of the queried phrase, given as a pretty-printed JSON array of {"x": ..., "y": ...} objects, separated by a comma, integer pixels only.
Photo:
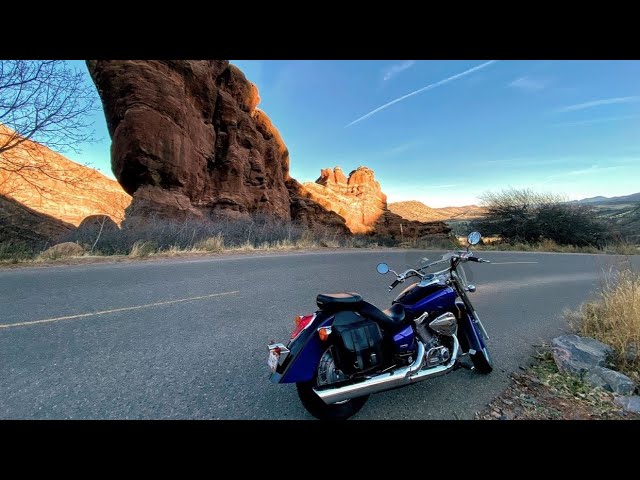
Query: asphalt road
[{"x": 187, "y": 338}]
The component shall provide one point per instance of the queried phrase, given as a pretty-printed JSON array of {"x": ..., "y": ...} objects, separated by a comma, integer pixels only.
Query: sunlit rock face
[
  {"x": 359, "y": 199},
  {"x": 56, "y": 187}
]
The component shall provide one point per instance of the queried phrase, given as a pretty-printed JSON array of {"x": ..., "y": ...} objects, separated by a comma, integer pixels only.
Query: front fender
[{"x": 306, "y": 351}]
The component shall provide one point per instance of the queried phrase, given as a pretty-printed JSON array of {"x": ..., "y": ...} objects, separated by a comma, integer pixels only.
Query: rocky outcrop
[
  {"x": 57, "y": 187},
  {"x": 188, "y": 140},
  {"x": 310, "y": 213},
  {"x": 359, "y": 199}
]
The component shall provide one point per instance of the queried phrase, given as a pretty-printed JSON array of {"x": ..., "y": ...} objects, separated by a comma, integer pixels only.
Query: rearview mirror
[
  {"x": 474, "y": 238},
  {"x": 382, "y": 268}
]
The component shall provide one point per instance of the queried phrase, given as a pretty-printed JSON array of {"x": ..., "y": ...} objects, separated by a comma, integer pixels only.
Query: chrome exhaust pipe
[{"x": 387, "y": 381}]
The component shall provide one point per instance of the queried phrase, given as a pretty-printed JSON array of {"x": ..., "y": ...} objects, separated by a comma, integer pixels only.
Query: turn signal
[{"x": 324, "y": 333}]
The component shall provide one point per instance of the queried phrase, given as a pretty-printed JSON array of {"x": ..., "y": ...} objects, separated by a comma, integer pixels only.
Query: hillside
[
  {"x": 600, "y": 200},
  {"x": 50, "y": 184},
  {"x": 414, "y": 210}
]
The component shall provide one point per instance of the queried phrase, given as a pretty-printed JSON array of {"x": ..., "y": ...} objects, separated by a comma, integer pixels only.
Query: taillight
[{"x": 302, "y": 322}]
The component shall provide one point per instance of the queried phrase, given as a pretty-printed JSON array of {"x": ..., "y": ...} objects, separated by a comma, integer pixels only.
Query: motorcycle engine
[
  {"x": 437, "y": 356},
  {"x": 437, "y": 353}
]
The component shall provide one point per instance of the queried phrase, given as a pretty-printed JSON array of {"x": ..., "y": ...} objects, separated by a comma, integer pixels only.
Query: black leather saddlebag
[{"x": 358, "y": 343}]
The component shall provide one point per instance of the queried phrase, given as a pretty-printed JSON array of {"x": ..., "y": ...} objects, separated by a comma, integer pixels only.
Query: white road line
[
  {"x": 124, "y": 309},
  {"x": 508, "y": 263}
]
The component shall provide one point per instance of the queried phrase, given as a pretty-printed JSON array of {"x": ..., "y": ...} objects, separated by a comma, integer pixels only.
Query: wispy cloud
[
  {"x": 420, "y": 90},
  {"x": 393, "y": 70},
  {"x": 529, "y": 84},
  {"x": 596, "y": 120},
  {"x": 402, "y": 148},
  {"x": 592, "y": 170},
  {"x": 597, "y": 103}
]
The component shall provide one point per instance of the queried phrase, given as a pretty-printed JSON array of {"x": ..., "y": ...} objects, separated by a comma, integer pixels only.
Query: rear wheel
[{"x": 327, "y": 373}]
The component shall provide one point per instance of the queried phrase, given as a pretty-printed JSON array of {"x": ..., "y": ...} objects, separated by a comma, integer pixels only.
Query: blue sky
[{"x": 570, "y": 127}]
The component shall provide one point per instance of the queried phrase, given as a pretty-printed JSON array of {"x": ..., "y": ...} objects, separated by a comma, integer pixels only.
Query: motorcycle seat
[
  {"x": 392, "y": 318},
  {"x": 338, "y": 301}
]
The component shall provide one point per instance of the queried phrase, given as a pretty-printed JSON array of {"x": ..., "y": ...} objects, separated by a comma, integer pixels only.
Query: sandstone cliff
[
  {"x": 53, "y": 185},
  {"x": 188, "y": 140}
]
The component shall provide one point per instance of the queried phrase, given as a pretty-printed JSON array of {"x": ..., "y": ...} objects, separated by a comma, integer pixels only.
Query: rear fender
[{"x": 305, "y": 353}]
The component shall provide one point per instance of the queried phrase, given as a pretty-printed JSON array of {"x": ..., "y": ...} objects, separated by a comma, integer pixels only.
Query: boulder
[
  {"x": 629, "y": 403},
  {"x": 577, "y": 355},
  {"x": 610, "y": 380}
]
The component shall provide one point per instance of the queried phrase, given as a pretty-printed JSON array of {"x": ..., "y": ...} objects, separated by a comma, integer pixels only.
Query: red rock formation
[
  {"x": 57, "y": 187},
  {"x": 360, "y": 201},
  {"x": 187, "y": 139},
  {"x": 310, "y": 213}
]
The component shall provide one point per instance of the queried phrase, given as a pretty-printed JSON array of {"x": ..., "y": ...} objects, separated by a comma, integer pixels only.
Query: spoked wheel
[{"x": 326, "y": 374}]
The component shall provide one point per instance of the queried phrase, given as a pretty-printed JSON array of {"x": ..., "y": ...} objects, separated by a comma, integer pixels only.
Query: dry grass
[
  {"x": 62, "y": 250},
  {"x": 614, "y": 318},
  {"x": 211, "y": 244},
  {"x": 142, "y": 249}
]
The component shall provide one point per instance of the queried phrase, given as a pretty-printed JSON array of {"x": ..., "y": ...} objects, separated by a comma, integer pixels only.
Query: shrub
[{"x": 529, "y": 217}]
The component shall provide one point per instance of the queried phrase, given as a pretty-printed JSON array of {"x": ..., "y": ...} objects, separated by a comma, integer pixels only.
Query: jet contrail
[{"x": 428, "y": 87}]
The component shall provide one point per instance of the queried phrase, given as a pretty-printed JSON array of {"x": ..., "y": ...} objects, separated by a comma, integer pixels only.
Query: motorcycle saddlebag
[{"x": 358, "y": 343}]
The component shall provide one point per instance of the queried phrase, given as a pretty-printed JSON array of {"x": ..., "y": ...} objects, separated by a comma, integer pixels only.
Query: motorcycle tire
[
  {"x": 314, "y": 404},
  {"x": 482, "y": 361}
]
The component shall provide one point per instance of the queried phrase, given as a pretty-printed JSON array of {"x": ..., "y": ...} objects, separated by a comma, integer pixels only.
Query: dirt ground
[{"x": 540, "y": 392}]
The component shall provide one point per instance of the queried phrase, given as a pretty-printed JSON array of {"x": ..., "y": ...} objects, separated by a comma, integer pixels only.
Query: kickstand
[{"x": 461, "y": 364}]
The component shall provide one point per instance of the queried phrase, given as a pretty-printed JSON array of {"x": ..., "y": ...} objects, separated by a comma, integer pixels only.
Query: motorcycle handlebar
[{"x": 394, "y": 284}]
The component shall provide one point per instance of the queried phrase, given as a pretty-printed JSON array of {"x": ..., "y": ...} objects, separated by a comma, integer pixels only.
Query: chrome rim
[{"x": 328, "y": 373}]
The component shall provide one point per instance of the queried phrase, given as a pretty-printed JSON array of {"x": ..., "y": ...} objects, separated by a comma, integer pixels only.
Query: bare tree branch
[
  {"x": 45, "y": 101},
  {"x": 42, "y": 102}
]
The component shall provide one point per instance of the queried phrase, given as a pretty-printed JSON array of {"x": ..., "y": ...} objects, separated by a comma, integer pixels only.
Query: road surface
[{"x": 186, "y": 338}]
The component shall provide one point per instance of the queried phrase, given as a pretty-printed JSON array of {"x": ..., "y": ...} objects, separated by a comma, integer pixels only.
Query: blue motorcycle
[{"x": 349, "y": 349}]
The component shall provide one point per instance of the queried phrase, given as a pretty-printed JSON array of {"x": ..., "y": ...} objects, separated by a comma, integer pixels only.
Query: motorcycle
[{"x": 349, "y": 349}]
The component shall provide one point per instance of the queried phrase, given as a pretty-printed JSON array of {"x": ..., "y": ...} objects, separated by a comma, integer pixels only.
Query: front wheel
[
  {"x": 327, "y": 373},
  {"x": 482, "y": 361}
]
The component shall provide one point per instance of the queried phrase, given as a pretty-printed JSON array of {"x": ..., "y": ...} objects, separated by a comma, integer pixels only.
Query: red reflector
[{"x": 301, "y": 324}]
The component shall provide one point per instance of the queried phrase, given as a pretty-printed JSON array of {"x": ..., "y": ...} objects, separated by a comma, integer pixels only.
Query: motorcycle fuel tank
[{"x": 434, "y": 297}]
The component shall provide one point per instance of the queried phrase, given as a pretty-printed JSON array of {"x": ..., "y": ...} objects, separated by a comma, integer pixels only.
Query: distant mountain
[
  {"x": 414, "y": 210},
  {"x": 634, "y": 197}
]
